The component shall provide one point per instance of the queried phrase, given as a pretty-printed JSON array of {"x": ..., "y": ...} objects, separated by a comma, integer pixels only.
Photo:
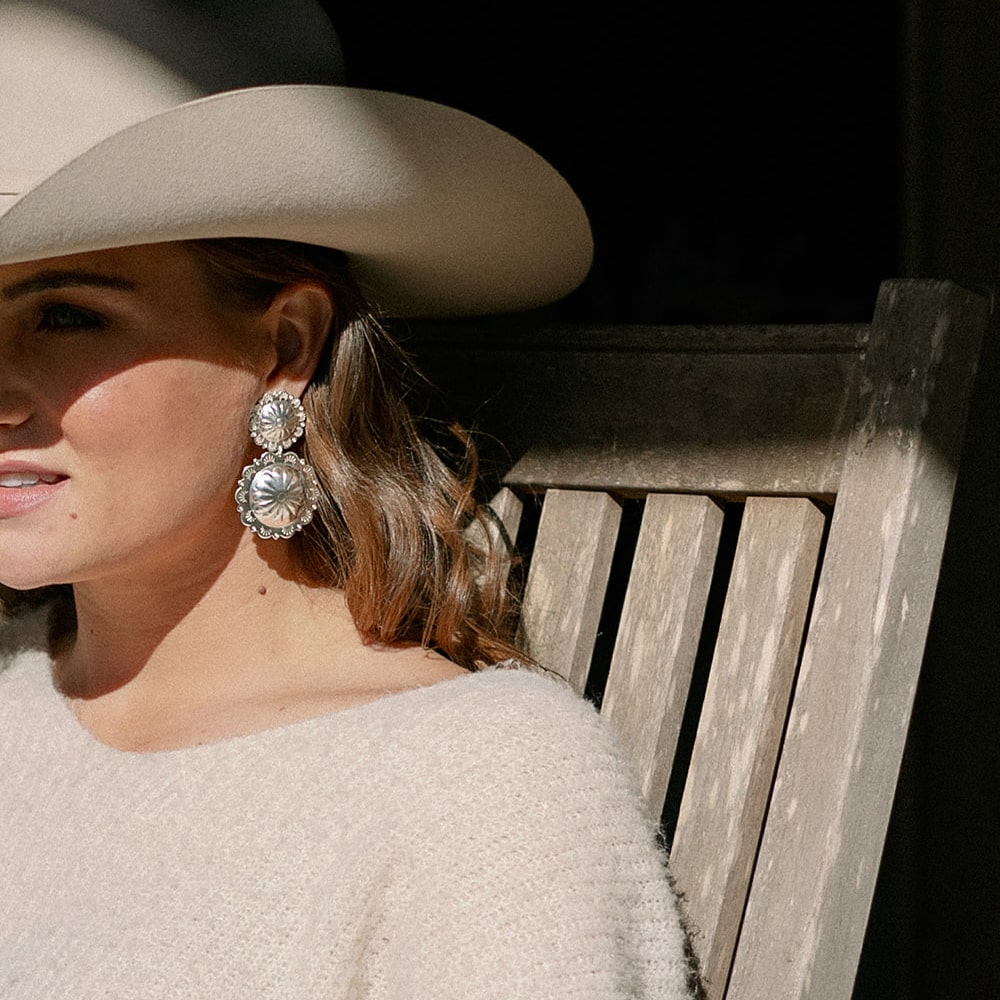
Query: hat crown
[{"x": 75, "y": 71}]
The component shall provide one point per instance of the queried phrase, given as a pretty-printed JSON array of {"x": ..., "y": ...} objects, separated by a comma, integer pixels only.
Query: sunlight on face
[{"x": 124, "y": 394}]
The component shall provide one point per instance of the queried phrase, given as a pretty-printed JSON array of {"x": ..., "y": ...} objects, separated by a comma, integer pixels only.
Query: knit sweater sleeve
[{"x": 534, "y": 872}]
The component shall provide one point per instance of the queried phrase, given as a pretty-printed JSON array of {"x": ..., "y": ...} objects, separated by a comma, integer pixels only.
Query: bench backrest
[{"x": 734, "y": 537}]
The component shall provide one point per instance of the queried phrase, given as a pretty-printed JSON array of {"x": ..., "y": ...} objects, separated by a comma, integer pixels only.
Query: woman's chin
[{"x": 26, "y": 577}]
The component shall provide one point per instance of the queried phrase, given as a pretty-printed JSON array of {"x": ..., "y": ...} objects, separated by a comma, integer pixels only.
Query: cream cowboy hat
[{"x": 107, "y": 140}]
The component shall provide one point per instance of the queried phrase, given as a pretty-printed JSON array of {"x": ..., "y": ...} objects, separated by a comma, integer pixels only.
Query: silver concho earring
[{"x": 278, "y": 493}]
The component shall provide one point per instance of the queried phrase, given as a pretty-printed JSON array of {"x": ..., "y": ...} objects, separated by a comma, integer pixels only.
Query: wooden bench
[{"x": 734, "y": 537}]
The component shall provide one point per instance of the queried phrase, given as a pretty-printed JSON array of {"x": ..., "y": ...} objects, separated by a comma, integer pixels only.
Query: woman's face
[{"x": 124, "y": 393}]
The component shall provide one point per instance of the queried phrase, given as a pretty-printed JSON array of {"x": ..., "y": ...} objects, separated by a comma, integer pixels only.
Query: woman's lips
[{"x": 23, "y": 490}]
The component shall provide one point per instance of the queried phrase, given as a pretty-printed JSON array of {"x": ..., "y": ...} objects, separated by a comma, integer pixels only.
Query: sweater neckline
[{"x": 363, "y": 714}]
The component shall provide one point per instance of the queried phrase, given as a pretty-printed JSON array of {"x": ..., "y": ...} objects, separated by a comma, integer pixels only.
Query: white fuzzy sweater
[{"x": 480, "y": 838}]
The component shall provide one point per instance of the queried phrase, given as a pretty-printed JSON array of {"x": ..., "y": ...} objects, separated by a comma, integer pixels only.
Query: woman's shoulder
[
  {"x": 522, "y": 812},
  {"x": 504, "y": 706},
  {"x": 513, "y": 734}
]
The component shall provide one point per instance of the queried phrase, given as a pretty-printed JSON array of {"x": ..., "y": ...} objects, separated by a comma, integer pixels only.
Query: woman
[{"x": 250, "y": 758}]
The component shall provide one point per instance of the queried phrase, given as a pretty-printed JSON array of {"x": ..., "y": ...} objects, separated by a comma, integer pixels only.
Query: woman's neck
[
  {"x": 143, "y": 623},
  {"x": 222, "y": 652}
]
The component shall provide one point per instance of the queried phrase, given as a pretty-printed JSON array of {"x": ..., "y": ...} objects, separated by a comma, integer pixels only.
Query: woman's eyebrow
[{"x": 46, "y": 280}]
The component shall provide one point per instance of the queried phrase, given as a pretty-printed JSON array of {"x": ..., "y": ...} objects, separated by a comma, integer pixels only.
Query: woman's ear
[{"x": 298, "y": 320}]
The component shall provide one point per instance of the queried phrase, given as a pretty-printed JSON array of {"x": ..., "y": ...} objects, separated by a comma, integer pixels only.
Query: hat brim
[{"x": 438, "y": 212}]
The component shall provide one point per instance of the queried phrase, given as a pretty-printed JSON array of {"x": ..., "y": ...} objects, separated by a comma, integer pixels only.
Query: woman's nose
[
  {"x": 15, "y": 405},
  {"x": 15, "y": 388}
]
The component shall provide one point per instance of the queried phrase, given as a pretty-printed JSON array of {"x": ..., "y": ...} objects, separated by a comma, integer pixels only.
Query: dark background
[{"x": 749, "y": 164}]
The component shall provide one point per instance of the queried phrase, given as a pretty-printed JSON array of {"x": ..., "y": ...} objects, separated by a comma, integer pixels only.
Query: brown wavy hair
[{"x": 398, "y": 528}]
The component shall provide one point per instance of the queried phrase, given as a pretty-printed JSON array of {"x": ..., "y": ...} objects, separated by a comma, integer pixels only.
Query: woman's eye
[{"x": 61, "y": 316}]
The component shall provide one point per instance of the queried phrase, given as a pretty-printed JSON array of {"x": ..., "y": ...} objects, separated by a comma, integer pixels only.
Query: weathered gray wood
[
  {"x": 819, "y": 857},
  {"x": 499, "y": 532},
  {"x": 690, "y": 423},
  {"x": 735, "y": 412},
  {"x": 685, "y": 409},
  {"x": 658, "y": 634},
  {"x": 742, "y": 718},
  {"x": 567, "y": 579},
  {"x": 507, "y": 507}
]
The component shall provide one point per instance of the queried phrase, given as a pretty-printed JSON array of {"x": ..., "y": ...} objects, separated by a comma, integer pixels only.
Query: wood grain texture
[
  {"x": 870, "y": 416},
  {"x": 688, "y": 409},
  {"x": 819, "y": 856},
  {"x": 569, "y": 570},
  {"x": 499, "y": 532},
  {"x": 658, "y": 634},
  {"x": 742, "y": 718},
  {"x": 507, "y": 507}
]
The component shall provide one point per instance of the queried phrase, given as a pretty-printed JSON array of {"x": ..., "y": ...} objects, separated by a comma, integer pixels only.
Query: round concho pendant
[
  {"x": 277, "y": 495},
  {"x": 277, "y": 421}
]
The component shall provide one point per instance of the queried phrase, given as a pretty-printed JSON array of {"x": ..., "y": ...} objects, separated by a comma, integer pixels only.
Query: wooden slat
[
  {"x": 500, "y": 531},
  {"x": 819, "y": 856},
  {"x": 807, "y": 412},
  {"x": 743, "y": 715},
  {"x": 658, "y": 635},
  {"x": 567, "y": 579},
  {"x": 507, "y": 508}
]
